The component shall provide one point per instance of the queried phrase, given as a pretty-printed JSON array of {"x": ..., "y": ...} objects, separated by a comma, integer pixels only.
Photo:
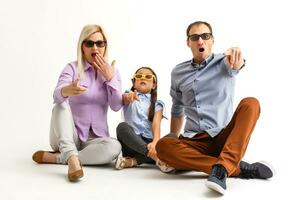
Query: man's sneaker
[
  {"x": 164, "y": 167},
  {"x": 125, "y": 162},
  {"x": 217, "y": 179},
  {"x": 258, "y": 170}
]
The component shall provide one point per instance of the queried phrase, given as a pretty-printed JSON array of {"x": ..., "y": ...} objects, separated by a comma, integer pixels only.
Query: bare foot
[{"x": 50, "y": 157}]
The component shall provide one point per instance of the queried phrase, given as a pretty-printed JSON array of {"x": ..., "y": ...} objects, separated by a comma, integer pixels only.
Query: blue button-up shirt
[
  {"x": 204, "y": 94},
  {"x": 136, "y": 114}
]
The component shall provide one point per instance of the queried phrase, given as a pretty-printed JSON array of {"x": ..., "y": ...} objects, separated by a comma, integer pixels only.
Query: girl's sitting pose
[{"x": 140, "y": 132}]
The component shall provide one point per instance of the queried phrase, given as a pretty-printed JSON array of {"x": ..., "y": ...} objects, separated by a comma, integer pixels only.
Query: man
[{"x": 214, "y": 139}]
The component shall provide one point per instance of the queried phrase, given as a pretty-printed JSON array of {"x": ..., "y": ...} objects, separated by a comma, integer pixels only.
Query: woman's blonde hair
[{"x": 85, "y": 33}]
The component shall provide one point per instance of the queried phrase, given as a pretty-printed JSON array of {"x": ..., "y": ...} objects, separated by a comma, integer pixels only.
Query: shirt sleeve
[
  {"x": 159, "y": 105},
  {"x": 231, "y": 72},
  {"x": 65, "y": 78},
  {"x": 177, "y": 105},
  {"x": 114, "y": 92}
]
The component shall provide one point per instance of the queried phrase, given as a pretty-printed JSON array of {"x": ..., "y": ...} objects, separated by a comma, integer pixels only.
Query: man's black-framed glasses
[{"x": 203, "y": 36}]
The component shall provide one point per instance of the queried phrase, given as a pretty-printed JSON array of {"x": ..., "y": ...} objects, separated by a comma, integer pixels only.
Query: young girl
[{"x": 140, "y": 132}]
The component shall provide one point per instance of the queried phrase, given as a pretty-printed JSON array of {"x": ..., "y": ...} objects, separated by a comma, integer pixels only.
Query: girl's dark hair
[{"x": 153, "y": 93}]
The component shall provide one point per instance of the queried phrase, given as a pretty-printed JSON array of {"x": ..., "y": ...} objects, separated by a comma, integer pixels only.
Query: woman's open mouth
[{"x": 94, "y": 55}]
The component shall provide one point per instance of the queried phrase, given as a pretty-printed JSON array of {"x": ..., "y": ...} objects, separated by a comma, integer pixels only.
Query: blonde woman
[{"x": 79, "y": 131}]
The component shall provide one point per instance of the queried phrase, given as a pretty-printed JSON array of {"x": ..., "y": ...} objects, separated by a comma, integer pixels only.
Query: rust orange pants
[{"x": 202, "y": 151}]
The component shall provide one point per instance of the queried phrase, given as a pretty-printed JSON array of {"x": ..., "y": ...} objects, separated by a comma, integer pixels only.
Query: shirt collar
[
  {"x": 203, "y": 63},
  {"x": 148, "y": 95},
  {"x": 87, "y": 66}
]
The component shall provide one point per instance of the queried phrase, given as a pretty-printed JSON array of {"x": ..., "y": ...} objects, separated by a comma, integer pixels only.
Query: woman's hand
[
  {"x": 74, "y": 89},
  {"x": 105, "y": 69}
]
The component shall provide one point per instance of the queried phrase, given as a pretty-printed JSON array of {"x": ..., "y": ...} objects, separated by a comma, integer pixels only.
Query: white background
[{"x": 38, "y": 38}]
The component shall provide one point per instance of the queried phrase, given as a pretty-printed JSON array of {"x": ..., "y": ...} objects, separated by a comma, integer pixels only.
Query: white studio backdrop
[{"x": 38, "y": 38}]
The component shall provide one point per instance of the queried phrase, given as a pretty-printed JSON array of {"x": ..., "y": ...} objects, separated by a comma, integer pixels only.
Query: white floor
[{"x": 21, "y": 178}]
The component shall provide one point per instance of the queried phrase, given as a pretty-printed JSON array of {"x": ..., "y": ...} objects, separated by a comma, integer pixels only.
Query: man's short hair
[{"x": 196, "y": 24}]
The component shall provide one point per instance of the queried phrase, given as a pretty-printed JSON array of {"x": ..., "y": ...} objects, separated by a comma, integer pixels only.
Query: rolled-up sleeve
[
  {"x": 159, "y": 105},
  {"x": 231, "y": 72},
  {"x": 177, "y": 106},
  {"x": 65, "y": 78},
  {"x": 114, "y": 91}
]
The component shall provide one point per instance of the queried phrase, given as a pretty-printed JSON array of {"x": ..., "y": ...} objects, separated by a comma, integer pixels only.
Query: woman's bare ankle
[
  {"x": 50, "y": 157},
  {"x": 74, "y": 163}
]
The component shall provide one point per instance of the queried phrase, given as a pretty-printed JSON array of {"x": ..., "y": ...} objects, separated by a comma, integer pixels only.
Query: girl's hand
[
  {"x": 105, "y": 69},
  {"x": 151, "y": 150},
  {"x": 74, "y": 89},
  {"x": 130, "y": 97}
]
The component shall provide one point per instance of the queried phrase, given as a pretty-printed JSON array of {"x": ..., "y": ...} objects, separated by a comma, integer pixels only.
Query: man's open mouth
[{"x": 201, "y": 49}]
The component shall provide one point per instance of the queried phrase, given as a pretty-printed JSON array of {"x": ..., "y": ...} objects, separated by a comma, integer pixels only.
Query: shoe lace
[
  {"x": 164, "y": 167},
  {"x": 249, "y": 171},
  {"x": 160, "y": 163},
  {"x": 127, "y": 162}
]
